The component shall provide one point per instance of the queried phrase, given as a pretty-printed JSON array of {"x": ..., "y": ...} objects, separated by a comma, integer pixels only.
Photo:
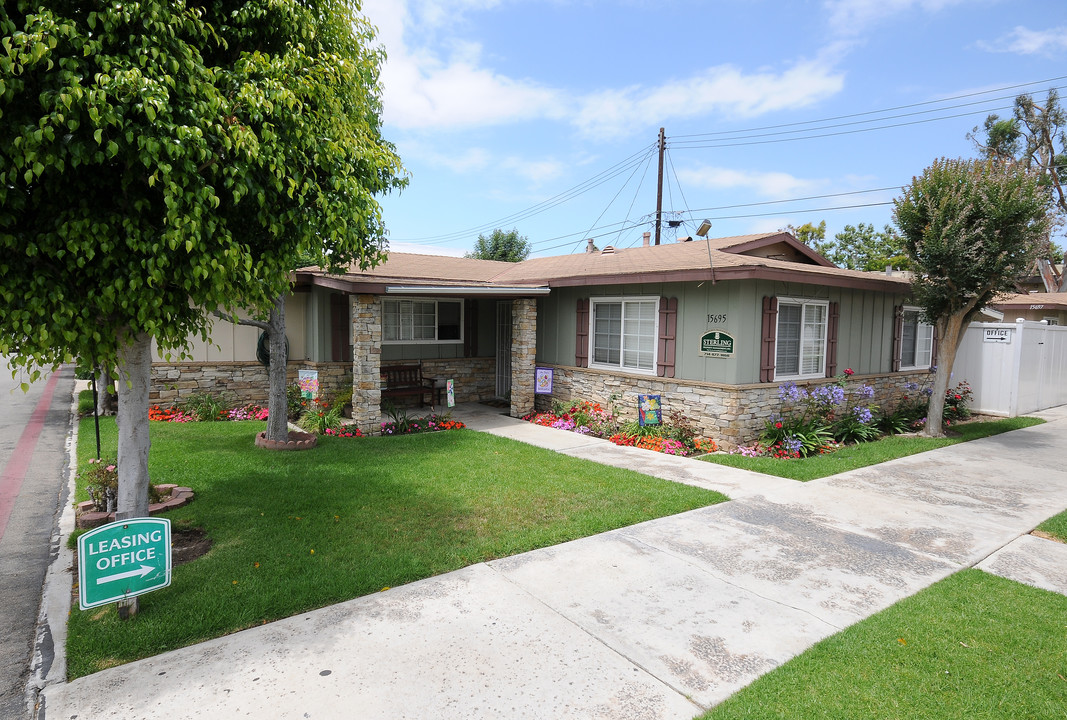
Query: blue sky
[{"x": 543, "y": 115}]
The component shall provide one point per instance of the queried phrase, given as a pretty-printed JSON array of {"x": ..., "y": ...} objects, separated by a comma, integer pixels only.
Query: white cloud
[
  {"x": 855, "y": 16},
  {"x": 1024, "y": 41},
  {"x": 428, "y": 85},
  {"x": 423, "y": 89},
  {"x": 723, "y": 89},
  {"x": 776, "y": 185}
]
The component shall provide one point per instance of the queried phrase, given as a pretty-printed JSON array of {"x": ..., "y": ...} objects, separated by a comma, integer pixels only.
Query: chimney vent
[
  {"x": 590, "y": 247},
  {"x": 645, "y": 238},
  {"x": 608, "y": 250}
]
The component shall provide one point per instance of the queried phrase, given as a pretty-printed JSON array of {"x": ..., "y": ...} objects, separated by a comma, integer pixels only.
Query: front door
[{"x": 503, "y": 349}]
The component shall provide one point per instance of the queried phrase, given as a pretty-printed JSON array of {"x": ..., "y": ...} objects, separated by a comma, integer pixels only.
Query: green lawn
[
  {"x": 1056, "y": 526},
  {"x": 860, "y": 455},
  {"x": 294, "y": 531},
  {"x": 971, "y": 647}
]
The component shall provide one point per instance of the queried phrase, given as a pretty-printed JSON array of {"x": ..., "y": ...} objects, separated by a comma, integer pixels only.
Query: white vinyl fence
[{"x": 1013, "y": 368}]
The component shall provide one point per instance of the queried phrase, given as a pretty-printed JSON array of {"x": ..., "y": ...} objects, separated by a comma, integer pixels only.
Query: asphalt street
[{"x": 34, "y": 427}]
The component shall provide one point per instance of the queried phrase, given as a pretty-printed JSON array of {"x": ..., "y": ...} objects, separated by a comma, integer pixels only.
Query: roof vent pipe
[
  {"x": 590, "y": 247},
  {"x": 645, "y": 238},
  {"x": 889, "y": 270}
]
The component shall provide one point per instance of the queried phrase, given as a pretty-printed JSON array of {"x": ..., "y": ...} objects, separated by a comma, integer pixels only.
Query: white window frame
[
  {"x": 436, "y": 325},
  {"x": 623, "y": 301},
  {"x": 804, "y": 338},
  {"x": 924, "y": 334},
  {"x": 1051, "y": 319}
]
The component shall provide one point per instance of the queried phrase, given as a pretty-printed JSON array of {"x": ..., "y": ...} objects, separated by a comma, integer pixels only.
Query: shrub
[
  {"x": 205, "y": 407},
  {"x": 320, "y": 417},
  {"x": 102, "y": 483}
]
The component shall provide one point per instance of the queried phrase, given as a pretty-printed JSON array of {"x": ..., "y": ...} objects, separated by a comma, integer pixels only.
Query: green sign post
[{"x": 123, "y": 559}]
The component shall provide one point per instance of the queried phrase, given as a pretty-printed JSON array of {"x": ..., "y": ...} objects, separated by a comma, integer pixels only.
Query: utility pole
[{"x": 659, "y": 184}]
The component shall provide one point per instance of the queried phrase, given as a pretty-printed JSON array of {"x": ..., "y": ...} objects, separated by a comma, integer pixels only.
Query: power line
[{"x": 884, "y": 110}]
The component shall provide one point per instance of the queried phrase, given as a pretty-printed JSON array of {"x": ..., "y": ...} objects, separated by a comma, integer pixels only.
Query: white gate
[{"x": 1013, "y": 368}]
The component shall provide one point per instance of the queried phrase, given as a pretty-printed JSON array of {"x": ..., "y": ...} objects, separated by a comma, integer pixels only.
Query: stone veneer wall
[
  {"x": 475, "y": 378},
  {"x": 244, "y": 382},
  {"x": 729, "y": 414},
  {"x": 523, "y": 355},
  {"x": 366, "y": 313}
]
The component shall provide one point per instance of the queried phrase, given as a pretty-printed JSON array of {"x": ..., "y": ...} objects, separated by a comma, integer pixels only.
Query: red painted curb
[{"x": 15, "y": 470}]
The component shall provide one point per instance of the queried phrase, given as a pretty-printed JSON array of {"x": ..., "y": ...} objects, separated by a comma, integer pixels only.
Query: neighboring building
[
  {"x": 1035, "y": 306},
  {"x": 713, "y": 326}
]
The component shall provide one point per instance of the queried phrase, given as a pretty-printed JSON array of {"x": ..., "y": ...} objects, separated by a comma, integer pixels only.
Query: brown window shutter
[
  {"x": 831, "y": 340},
  {"x": 668, "y": 333},
  {"x": 933, "y": 349},
  {"x": 470, "y": 328},
  {"x": 768, "y": 336},
  {"x": 340, "y": 329},
  {"x": 898, "y": 336},
  {"x": 581, "y": 340}
]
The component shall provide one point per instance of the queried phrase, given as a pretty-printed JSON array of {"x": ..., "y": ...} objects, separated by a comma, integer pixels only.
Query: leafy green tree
[
  {"x": 814, "y": 236},
  {"x": 506, "y": 246},
  {"x": 164, "y": 160},
  {"x": 862, "y": 247},
  {"x": 969, "y": 228}
]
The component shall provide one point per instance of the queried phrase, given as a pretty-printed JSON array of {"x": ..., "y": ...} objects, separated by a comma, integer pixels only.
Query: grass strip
[
  {"x": 294, "y": 531},
  {"x": 1056, "y": 526},
  {"x": 971, "y": 647},
  {"x": 860, "y": 455}
]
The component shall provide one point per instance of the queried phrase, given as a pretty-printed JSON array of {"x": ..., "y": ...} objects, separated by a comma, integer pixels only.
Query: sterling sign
[
  {"x": 717, "y": 344},
  {"x": 123, "y": 559}
]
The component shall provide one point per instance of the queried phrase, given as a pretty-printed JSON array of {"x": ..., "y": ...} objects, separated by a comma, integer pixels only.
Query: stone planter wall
[
  {"x": 475, "y": 378},
  {"x": 731, "y": 415},
  {"x": 239, "y": 382}
]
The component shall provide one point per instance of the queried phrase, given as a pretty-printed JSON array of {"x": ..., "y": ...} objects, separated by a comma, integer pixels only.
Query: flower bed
[{"x": 675, "y": 437}]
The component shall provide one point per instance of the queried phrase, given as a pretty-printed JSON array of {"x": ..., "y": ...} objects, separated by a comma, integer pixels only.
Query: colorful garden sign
[
  {"x": 649, "y": 410},
  {"x": 450, "y": 392},
  {"x": 543, "y": 381},
  {"x": 123, "y": 559},
  {"x": 309, "y": 384}
]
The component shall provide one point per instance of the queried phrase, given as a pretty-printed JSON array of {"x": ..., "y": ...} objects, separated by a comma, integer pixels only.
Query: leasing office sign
[{"x": 123, "y": 559}]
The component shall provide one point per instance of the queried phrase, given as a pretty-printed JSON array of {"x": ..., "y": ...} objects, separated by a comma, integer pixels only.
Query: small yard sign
[
  {"x": 450, "y": 392},
  {"x": 543, "y": 381},
  {"x": 717, "y": 344},
  {"x": 649, "y": 410},
  {"x": 309, "y": 383},
  {"x": 123, "y": 559}
]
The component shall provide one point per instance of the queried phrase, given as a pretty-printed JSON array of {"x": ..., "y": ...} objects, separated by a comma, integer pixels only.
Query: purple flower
[
  {"x": 863, "y": 415},
  {"x": 866, "y": 392},
  {"x": 793, "y": 444},
  {"x": 791, "y": 393}
]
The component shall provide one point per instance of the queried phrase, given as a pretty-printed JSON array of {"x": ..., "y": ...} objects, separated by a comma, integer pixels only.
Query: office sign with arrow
[{"x": 123, "y": 559}]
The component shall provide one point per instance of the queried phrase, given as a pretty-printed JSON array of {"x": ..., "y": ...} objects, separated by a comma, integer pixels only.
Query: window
[
  {"x": 421, "y": 321},
  {"x": 916, "y": 340},
  {"x": 624, "y": 333},
  {"x": 800, "y": 349},
  {"x": 1051, "y": 319}
]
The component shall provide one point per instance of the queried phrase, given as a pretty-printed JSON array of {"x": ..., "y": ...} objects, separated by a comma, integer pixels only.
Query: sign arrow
[{"x": 145, "y": 569}]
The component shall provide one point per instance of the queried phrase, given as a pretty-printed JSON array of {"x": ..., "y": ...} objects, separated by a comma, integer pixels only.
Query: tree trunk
[
  {"x": 277, "y": 404},
  {"x": 135, "y": 371},
  {"x": 950, "y": 334},
  {"x": 105, "y": 399}
]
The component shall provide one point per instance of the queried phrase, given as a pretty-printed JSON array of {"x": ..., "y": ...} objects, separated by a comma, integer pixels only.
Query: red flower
[
  {"x": 849, "y": 372},
  {"x": 958, "y": 397},
  {"x": 778, "y": 425}
]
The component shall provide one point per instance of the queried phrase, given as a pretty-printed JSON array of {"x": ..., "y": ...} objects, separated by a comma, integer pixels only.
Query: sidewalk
[{"x": 657, "y": 620}]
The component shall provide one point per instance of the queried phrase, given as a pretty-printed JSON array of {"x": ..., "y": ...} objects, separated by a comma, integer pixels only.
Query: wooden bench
[{"x": 401, "y": 380}]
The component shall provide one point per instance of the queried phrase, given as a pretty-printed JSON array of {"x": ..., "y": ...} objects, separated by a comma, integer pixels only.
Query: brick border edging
[
  {"x": 297, "y": 441},
  {"x": 179, "y": 496}
]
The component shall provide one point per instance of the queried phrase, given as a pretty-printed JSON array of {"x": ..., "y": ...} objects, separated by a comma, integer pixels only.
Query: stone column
[
  {"x": 523, "y": 355},
  {"x": 366, "y": 314}
]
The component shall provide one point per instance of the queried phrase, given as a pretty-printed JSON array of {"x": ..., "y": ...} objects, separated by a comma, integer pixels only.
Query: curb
[{"x": 49, "y": 663}]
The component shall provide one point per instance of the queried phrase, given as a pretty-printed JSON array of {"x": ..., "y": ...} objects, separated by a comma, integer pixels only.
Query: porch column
[
  {"x": 523, "y": 355},
  {"x": 366, "y": 313}
]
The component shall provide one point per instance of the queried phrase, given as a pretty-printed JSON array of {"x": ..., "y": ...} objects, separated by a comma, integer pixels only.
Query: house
[
  {"x": 714, "y": 326},
  {"x": 1050, "y": 307}
]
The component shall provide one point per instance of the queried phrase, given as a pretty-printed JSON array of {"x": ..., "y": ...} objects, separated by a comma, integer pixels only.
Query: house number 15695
[{"x": 714, "y": 319}]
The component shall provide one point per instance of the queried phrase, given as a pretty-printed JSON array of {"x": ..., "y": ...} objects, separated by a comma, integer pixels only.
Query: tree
[
  {"x": 814, "y": 236},
  {"x": 166, "y": 160},
  {"x": 1036, "y": 137},
  {"x": 969, "y": 228},
  {"x": 861, "y": 247},
  {"x": 507, "y": 246}
]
